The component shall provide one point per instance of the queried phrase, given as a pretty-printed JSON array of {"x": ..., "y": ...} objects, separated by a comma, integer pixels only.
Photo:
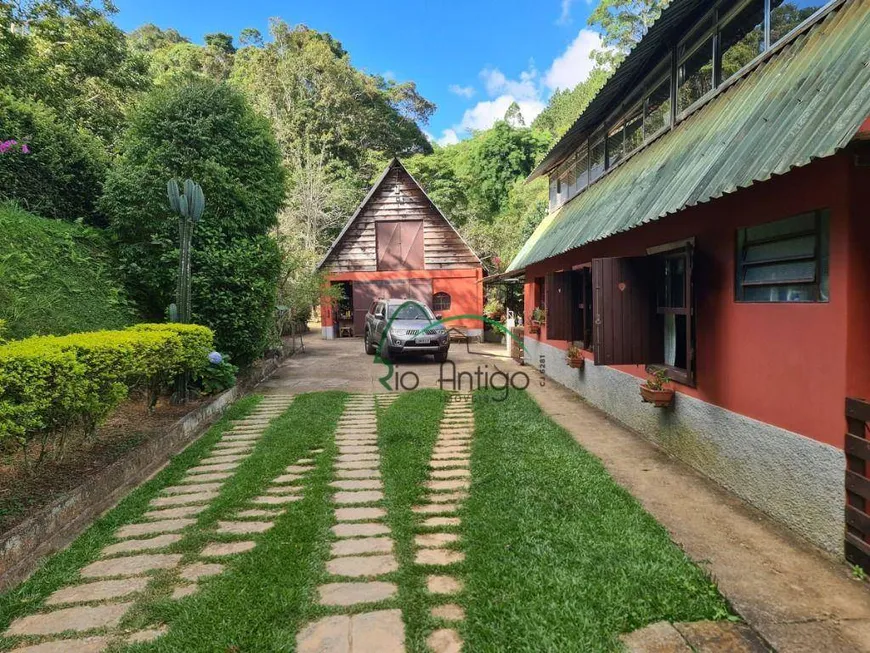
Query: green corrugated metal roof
[{"x": 807, "y": 101}]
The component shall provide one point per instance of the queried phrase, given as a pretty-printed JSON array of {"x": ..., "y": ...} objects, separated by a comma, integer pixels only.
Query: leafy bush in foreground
[
  {"x": 205, "y": 131},
  {"x": 53, "y": 386}
]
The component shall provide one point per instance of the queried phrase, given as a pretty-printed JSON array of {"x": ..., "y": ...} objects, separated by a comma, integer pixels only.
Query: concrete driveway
[{"x": 343, "y": 365}]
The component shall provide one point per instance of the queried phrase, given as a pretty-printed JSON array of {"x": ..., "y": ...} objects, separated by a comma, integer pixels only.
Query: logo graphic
[{"x": 433, "y": 325}]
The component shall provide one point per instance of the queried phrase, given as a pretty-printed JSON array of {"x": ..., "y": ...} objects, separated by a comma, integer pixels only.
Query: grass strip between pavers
[
  {"x": 407, "y": 431},
  {"x": 62, "y": 568},
  {"x": 261, "y": 599},
  {"x": 560, "y": 557}
]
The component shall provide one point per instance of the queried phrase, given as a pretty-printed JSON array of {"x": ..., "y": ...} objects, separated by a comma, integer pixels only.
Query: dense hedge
[
  {"x": 51, "y": 386},
  {"x": 57, "y": 278},
  {"x": 205, "y": 131},
  {"x": 62, "y": 175}
]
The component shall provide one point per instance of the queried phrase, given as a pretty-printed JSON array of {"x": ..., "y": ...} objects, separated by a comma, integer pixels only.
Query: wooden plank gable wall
[{"x": 399, "y": 199}]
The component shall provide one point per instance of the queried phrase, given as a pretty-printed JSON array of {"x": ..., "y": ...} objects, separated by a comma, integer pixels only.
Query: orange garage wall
[{"x": 464, "y": 287}]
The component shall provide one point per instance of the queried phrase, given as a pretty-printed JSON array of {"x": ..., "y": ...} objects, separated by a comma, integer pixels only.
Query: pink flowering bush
[{"x": 13, "y": 146}]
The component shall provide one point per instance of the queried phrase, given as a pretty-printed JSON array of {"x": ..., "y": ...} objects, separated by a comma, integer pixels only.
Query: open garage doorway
[{"x": 366, "y": 292}]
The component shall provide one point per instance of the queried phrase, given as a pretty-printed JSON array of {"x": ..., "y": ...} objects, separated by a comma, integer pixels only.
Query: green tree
[
  {"x": 304, "y": 81},
  {"x": 622, "y": 24},
  {"x": 565, "y": 106},
  {"x": 70, "y": 56},
  {"x": 149, "y": 38},
  {"x": 497, "y": 159},
  {"x": 220, "y": 42},
  {"x": 205, "y": 131},
  {"x": 251, "y": 36},
  {"x": 62, "y": 174}
]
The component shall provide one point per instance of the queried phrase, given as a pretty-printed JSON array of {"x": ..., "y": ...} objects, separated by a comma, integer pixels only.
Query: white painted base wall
[{"x": 794, "y": 479}]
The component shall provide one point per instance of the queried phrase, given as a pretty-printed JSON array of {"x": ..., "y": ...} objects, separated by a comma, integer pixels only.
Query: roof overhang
[
  {"x": 655, "y": 44},
  {"x": 805, "y": 100},
  {"x": 514, "y": 276}
]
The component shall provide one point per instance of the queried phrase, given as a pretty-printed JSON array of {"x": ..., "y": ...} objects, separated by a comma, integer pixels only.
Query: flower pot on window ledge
[
  {"x": 659, "y": 398},
  {"x": 534, "y": 327},
  {"x": 656, "y": 391},
  {"x": 575, "y": 358}
]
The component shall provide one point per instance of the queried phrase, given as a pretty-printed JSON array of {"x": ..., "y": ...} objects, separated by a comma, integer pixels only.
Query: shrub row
[{"x": 51, "y": 386}]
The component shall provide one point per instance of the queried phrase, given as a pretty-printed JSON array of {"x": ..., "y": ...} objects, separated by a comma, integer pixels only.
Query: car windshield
[{"x": 410, "y": 311}]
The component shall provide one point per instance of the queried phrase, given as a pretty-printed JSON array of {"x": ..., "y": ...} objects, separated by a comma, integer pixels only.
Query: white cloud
[
  {"x": 497, "y": 84},
  {"x": 462, "y": 91},
  {"x": 565, "y": 16},
  {"x": 574, "y": 65},
  {"x": 389, "y": 75},
  {"x": 530, "y": 90},
  {"x": 448, "y": 137},
  {"x": 485, "y": 114}
]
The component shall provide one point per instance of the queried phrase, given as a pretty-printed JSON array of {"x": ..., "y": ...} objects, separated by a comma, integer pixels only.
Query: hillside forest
[{"x": 282, "y": 131}]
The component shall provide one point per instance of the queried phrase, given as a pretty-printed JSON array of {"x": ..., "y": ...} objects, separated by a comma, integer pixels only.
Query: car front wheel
[
  {"x": 370, "y": 348},
  {"x": 441, "y": 356}
]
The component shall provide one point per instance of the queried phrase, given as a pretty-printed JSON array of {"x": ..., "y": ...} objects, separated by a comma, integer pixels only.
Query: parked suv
[{"x": 408, "y": 325}]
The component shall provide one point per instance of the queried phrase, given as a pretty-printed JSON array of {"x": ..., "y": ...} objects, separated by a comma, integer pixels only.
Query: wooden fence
[{"x": 857, "y": 545}]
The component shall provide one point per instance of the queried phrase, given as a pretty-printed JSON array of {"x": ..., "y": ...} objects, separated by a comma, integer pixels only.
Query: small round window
[{"x": 441, "y": 302}]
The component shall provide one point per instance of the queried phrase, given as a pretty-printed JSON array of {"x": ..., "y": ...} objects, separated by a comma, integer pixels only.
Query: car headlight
[{"x": 398, "y": 332}]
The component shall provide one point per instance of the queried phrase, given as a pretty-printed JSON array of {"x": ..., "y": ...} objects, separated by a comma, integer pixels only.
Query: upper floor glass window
[
  {"x": 582, "y": 167},
  {"x": 785, "y": 15},
  {"x": 596, "y": 157},
  {"x": 722, "y": 43},
  {"x": 615, "y": 145},
  {"x": 741, "y": 38},
  {"x": 695, "y": 73},
  {"x": 657, "y": 109}
]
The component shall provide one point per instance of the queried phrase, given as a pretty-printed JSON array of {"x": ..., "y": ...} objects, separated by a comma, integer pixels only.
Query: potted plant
[
  {"x": 656, "y": 390},
  {"x": 575, "y": 357},
  {"x": 539, "y": 319}
]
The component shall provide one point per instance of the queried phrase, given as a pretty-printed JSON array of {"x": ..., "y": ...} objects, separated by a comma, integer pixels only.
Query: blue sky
[{"x": 471, "y": 58}]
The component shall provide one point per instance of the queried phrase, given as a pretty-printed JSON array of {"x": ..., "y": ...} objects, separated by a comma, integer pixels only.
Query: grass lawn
[
  {"x": 559, "y": 557},
  {"x": 260, "y": 600},
  {"x": 406, "y": 435},
  {"x": 264, "y": 596},
  {"x": 63, "y": 568}
]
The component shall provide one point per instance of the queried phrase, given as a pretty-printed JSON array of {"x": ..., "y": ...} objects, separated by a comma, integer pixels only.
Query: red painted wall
[
  {"x": 791, "y": 365},
  {"x": 464, "y": 287}
]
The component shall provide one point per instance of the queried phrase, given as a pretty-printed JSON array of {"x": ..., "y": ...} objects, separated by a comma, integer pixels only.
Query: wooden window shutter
[
  {"x": 561, "y": 305},
  {"x": 626, "y": 329}
]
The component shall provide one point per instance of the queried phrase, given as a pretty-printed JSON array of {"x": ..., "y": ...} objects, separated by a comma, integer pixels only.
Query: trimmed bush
[
  {"x": 204, "y": 131},
  {"x": 51, "y": 386},
  {"x": 196, "y": 342},
  {"x": 62, "y": 175}
]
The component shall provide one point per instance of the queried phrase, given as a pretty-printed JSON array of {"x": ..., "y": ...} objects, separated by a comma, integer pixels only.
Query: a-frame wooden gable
[{"x": 397, "y": 227}]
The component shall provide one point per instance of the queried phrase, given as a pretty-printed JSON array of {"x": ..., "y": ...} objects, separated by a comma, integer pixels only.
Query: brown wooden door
[
  {"x": 364, "y": 293},
  {"x": 561, "y": 306},
  {"x": 626, "y": 329}
]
